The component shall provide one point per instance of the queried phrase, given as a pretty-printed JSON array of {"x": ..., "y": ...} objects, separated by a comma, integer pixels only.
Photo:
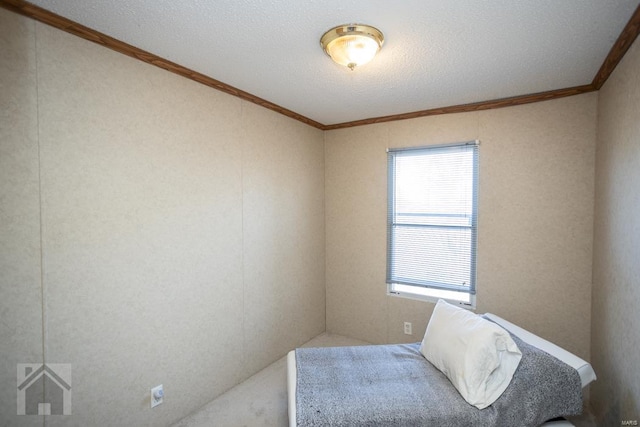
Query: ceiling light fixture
[{"x": 352, "y": 45}]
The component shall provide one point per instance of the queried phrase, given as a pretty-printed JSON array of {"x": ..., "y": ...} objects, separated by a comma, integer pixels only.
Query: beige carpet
[{"x": 260, "y": 401}]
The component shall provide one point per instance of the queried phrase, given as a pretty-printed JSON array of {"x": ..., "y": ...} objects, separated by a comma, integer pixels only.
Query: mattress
[{"x": 584, "y": 369}]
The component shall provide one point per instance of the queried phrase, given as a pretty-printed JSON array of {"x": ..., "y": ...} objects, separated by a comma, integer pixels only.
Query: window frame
[{"x": 420, "y": 291}]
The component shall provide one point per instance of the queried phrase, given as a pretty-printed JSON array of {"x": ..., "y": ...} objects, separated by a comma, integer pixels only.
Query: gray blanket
[{"x": 394, "y": 385}]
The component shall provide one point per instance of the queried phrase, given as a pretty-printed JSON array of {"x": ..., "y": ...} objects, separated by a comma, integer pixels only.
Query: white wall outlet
[
  {"x": 157, "y": 396},
  {"x": 407, "y": 328}
]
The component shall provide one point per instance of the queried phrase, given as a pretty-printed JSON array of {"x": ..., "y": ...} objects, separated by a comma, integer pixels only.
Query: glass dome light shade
[{"x": 352, "y": 45}]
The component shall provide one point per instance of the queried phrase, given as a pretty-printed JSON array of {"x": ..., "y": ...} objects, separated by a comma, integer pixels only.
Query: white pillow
[{"x": 478, "y": 356}]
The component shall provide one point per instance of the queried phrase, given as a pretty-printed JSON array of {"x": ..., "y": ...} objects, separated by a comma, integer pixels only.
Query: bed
[{"x": 404, "y": 403}]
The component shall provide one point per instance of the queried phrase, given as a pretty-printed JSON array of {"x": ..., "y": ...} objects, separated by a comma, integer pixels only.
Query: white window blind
[{"x": 432, "y": 218}]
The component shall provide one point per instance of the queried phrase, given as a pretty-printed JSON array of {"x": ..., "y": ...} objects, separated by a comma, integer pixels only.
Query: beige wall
[
  {"x": 535, "y": 220},
  {"x": 615, "y": 318},
  {"x": 181, "y": 230},
  {"x": 20, "y": 267}
]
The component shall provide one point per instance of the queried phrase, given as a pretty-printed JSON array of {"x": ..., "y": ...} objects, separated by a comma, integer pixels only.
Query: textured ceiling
[{"x": 437, "y": 53}]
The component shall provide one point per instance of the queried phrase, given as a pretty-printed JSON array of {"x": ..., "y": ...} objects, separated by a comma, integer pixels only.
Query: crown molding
[
  {"x": 476, "y": 106},
  {"x": 617, "y": 52},
  {"x": 42, "y": 15}
]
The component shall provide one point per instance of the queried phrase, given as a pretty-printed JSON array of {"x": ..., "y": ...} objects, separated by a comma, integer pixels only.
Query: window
[{"x": 432, "y": 222}]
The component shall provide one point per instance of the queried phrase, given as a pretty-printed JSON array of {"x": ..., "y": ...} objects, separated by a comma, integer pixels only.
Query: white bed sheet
[
  {"x": 585, "y": 370},
  {"x": 291, "y": 386}
]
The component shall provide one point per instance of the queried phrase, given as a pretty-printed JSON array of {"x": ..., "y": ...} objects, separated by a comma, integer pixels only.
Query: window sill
[{"x": 433, "y": 295}]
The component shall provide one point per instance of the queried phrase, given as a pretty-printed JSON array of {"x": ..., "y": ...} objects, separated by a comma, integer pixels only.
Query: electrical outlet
[
  {"x": 407, "y": 328},
  {"x": 157, "y": 396}
]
